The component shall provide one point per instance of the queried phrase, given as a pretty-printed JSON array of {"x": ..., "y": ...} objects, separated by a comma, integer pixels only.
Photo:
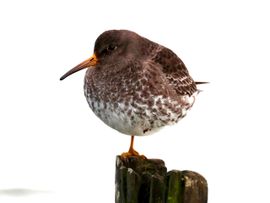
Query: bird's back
[{"x": 175, "y": 71}]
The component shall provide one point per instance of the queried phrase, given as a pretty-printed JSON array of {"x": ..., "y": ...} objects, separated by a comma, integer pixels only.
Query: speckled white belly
[{"x": 131, "y": 120}]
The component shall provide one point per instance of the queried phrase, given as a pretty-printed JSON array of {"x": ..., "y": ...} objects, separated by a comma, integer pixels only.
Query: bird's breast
[
  {"x": 138, "y": 116},
  {"x": 132, "y": 102}
]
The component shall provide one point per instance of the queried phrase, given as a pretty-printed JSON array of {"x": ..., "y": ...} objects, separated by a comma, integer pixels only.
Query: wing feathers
[{"x": 175, "y": 71}]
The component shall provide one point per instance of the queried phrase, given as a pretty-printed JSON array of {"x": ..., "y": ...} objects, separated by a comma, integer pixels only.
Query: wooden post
[{"x": 141, "y": 180}]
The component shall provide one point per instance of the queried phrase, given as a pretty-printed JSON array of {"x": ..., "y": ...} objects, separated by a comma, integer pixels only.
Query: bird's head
[{"x": 110, "y": 46}]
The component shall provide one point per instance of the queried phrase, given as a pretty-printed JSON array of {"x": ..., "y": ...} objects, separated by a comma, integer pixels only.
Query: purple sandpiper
[{"x": 135, "y": 85}]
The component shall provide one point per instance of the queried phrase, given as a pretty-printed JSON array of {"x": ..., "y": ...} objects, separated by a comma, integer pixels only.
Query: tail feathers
[{"x": 201, "y": 83}]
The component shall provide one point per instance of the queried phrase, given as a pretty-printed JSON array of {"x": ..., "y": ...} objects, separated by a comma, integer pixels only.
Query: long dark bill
[{"x": 92, "y": 61}]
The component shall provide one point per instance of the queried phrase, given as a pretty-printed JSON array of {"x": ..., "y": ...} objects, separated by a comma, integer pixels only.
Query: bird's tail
[{"x": 201, "y": 83}]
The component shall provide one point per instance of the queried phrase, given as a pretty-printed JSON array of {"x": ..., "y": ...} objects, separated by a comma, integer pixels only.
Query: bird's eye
[
  {"x": 108, "y": 50},
  {"x": 111, "y": 47}
]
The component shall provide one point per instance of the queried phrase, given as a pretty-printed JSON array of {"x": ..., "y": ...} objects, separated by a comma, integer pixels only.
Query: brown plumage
[{"x": 135, "y": 85}]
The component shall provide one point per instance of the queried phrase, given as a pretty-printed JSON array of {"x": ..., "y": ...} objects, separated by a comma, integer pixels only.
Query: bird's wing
[{"x": 175, "y": 71}]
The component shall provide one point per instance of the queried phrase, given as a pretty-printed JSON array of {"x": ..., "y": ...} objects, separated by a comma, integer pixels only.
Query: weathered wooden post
[{"x": 141, "y": 180}]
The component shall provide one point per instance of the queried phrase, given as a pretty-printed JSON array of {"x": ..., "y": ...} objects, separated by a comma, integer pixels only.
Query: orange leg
[{"x": 131, "y": 151}]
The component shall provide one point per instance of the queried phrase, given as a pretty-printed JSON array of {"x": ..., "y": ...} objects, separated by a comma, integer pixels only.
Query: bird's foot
[{"x": 130, "y": 153}]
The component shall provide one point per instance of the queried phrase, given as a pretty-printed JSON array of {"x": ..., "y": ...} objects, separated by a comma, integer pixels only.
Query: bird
[{"x": 136, "y": 86}]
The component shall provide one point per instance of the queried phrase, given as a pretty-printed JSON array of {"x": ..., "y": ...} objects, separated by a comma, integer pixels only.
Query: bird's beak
[{"x": 92, "y": 61}]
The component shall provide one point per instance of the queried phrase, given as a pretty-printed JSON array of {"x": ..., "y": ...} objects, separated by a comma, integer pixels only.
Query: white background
[{"x": 54, "y": 149}]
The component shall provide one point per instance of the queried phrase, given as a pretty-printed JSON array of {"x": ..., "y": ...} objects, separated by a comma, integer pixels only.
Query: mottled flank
[{"x": 137, "y": 86}]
